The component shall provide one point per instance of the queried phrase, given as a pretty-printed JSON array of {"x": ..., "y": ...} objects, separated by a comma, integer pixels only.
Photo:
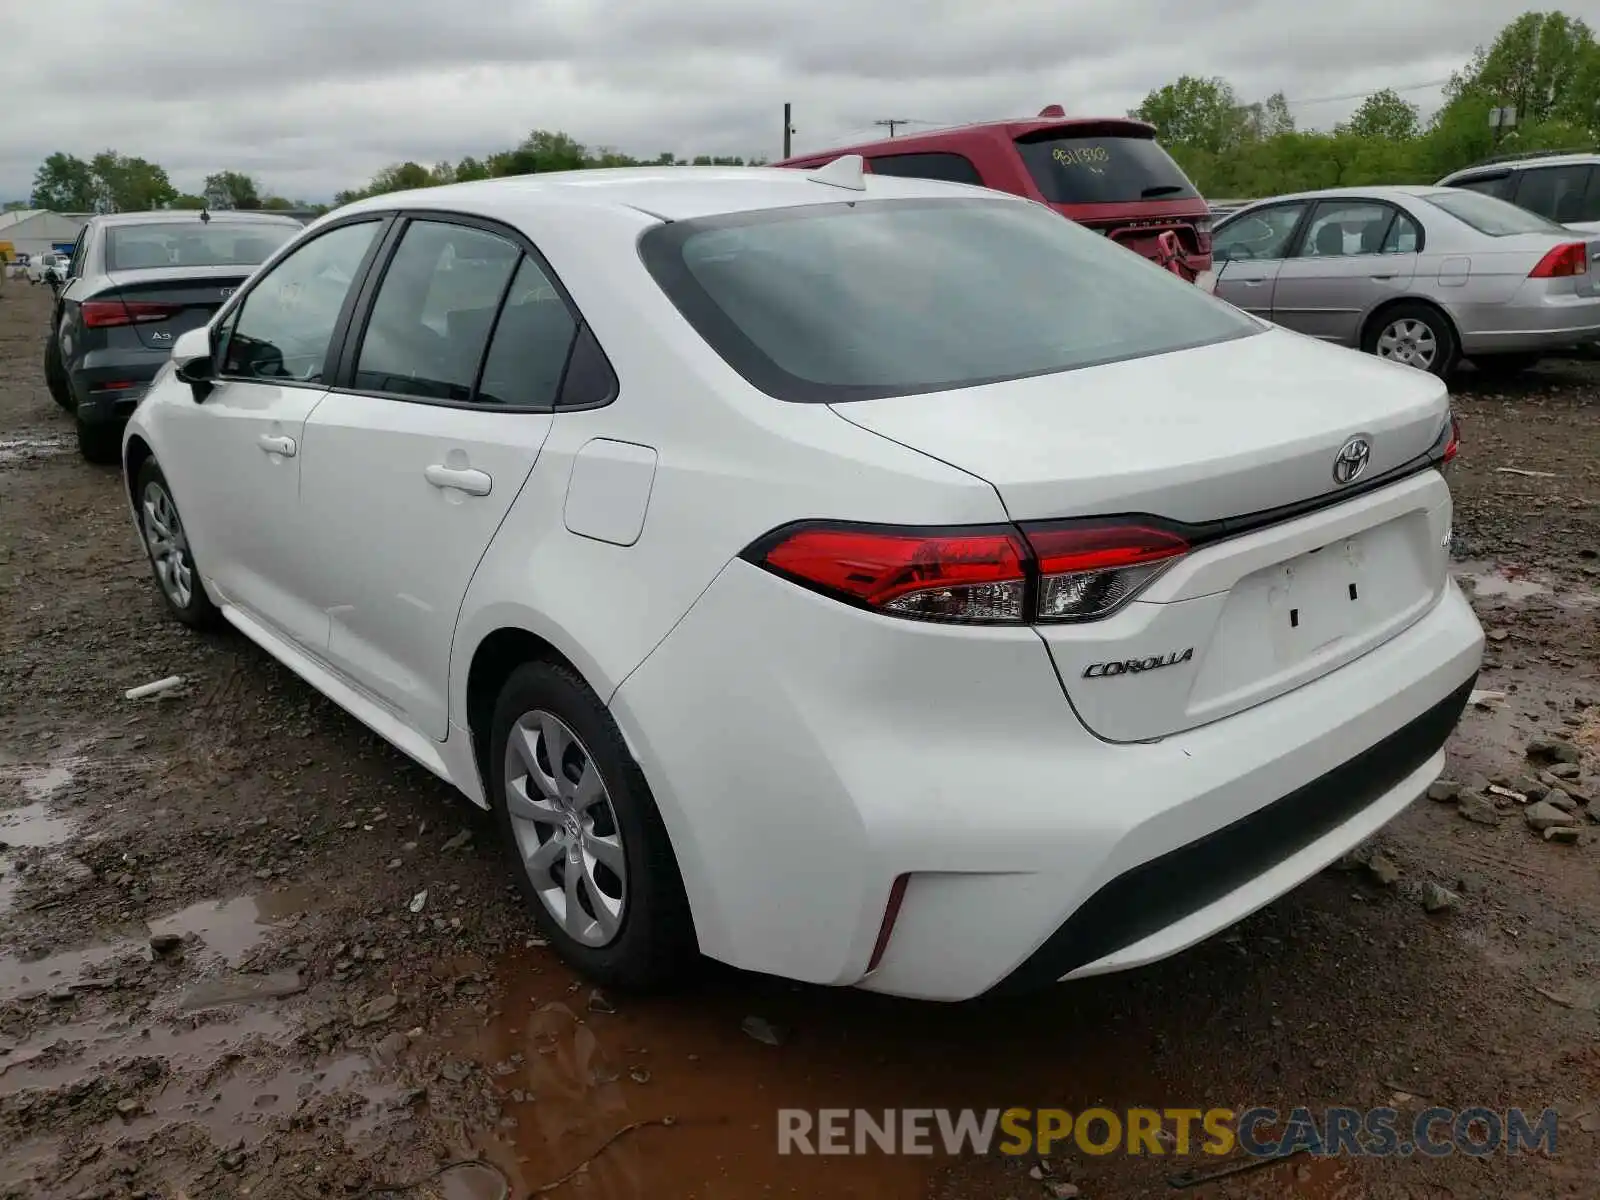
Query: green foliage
[
  {"x": 65, "y": 183},
  {"x": 109, "y": 181},
  {"x": 232, "y": 189}
]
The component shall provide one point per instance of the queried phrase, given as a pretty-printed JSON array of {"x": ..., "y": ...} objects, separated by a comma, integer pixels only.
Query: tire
[
  {"x": 184, "y": 593},
  {"x": 647, "y": 941},
  {"x": 55, "y": 375},
  {"x": 1416, "y": 335},
  {"x": 101, "y": 444},
  {"x": 1504, "y": 366}
]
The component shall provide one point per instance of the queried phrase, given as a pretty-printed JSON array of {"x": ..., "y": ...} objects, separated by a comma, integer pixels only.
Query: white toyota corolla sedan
[{"x": 866, "y": 580}]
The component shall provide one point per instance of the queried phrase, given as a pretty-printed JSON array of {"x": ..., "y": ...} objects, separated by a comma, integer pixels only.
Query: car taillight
[
  {"x": 1452, "y": 445},
  {"x": 1570, "y": 258},
  {"x": 101, "y": 314},
  {"x": 993, "y": 575},
  {"x": 1088, "y": 571},
  {"x": 1203, "y": 226}
]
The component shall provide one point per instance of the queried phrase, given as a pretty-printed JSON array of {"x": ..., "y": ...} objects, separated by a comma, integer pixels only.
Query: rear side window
[
  {"x": 1103, "y": 170},
  {"x": 1499, "y": 186},
  {"x": 532, "y": 341},
  {"x": 1555, "y": 192},
  {"x": 1490, "y": 216},
  {"x": 853, "y": 301},
  {"x": 952, "y": 168},
  {"x": 434, "y": 310},
  {"x": 174, "y": 244}
]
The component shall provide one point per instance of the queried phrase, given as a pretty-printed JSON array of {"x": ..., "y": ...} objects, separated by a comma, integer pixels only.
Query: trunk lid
[
  {"x": 1205, "y": 436},
  {"x": 188, "y": 296}
]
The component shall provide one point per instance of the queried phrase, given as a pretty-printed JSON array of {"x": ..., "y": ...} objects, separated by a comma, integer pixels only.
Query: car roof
[
  {"x": 189, "y": 216},
  {"x": 1577, "y": 158},
  {"x": 1393, "y": 192},
  {"x": 667, "y": 193},
  {"x": 934, "y": 139}
]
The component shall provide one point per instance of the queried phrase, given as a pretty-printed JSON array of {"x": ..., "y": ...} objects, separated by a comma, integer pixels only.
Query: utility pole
[
  {"x": 892, "y": 122},
  {"x": 788, "y": 127}
]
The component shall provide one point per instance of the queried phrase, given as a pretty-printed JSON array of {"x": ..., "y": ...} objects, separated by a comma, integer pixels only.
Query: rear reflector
[
  {"x": 102, "y": 314},
  {"x": 1571, "y": 258},
  {"x": 992, "y": 575}
]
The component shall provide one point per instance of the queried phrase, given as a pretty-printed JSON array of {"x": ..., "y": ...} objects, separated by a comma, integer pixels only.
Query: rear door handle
[
  {"x": 276, "y": 445},
  {"x": 473, "y": 483},
  {"x": 1384, "y": 278}
]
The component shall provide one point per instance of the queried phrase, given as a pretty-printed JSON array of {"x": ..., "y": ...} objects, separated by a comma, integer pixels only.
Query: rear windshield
[
  {"x": 213, "y": 244},
  {"x": 1104, "y": 170},
  {"x": 1490, "y": 215},
  {"x": 853, "y": 301}
]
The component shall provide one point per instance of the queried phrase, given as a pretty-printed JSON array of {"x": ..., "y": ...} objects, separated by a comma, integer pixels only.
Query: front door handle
[
  {"x": 473, "y": 483},
  {"x": 276, "y": 445},
  {"x": 1383, "y": 278}
]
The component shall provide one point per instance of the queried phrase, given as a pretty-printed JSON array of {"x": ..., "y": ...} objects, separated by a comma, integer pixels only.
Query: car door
[
  {"x": 412, "y": 463},
  {"x": 1351, "y": 256},
  {"x": 234, "y": 459},
  {"x": 1247, "y": 252}
]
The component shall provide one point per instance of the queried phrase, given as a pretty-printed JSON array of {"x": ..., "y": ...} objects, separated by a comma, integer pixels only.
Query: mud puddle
[
  {"x": 14, "y": 450},
  {"x": 1496, "y": 581}
]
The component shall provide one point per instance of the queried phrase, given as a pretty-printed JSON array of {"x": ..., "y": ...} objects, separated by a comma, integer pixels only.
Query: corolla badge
[{"x": 1352, "y": 460}]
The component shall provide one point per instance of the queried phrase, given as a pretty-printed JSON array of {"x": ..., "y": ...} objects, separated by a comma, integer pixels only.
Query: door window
[
  {"x": 1499, "y": 186},
  {"x": 532, "y": 340},
  {"x": 434, "y": 310},
  {"x": 1340, "y": 228},
  {"x": 285, "y": 325},
  {"x": 953, "y": 168},
  {"x": 1554, "y": 192},
  {"x": 1264, "y": 233}
]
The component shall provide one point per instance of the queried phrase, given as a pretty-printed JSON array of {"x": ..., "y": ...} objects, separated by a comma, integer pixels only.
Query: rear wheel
[
  {"x": 1414, "y": 335},
  {"x": 100, "y": 443},
  {"x": 55, "y": 375},
  {"x": 167, "y": 544},
  {"x": 586, "y": 844},
  {"x": 1504, "y": 366}
]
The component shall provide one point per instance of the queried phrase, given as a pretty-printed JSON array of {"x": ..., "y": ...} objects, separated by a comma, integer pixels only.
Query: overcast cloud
[{"x": 312, "y": 96}]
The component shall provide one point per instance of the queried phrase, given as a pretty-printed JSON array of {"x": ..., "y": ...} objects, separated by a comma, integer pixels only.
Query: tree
[
  {"x": 14, "y": 206},
  {"x": 125, "y": 184},
  {"x": 65, "y": 183},
  {"x": 189, "y": 202},
  {"x": 1385, "y": 116},
  {"x": 1543, "y": 64},
  {"x": 232, "y": 189},
  {"x": 1199, "y": 113},
  {"x": 1270, "y": 118}
]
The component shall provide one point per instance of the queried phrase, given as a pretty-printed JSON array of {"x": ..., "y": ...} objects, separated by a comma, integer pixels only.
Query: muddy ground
[{"x": 310, "y": 1027}]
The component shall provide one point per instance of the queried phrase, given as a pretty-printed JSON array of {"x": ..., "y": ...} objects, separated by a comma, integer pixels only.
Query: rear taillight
[
  {"x": 1090, "y": 571},
  {"x": 1448, "y": 444},
  {"x": 102, "y": 314},
  {"x": 994, "y": 575},
  {"x": 1570, "y": 258},
  {"x": 1203, "y": 226}
]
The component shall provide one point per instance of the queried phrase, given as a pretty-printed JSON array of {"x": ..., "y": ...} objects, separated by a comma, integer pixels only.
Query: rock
[
  {"x": 1561, "y": 800},
  {"x": 1544, "y": 815},
  {"x": 233, "y": 1161},
  {"x": 61, "y": 995},
  {"x": 455, "y": 1071},
  {"x": 1443, "y": 790},
  {"x": 1437, "y": 899},
  {"x": 418, "y": 901},
  {"x": 1476, "y": 808},
  {"x": 763, "y": 1030},
  {"x": 166, "y": 943},
  {"x": 639, "y": 1075},
  {"x": 1063, "y": 1191},
  {"x": 598, "y": 1003},
  {"x": 1566, "y": 834},
  {"x": 376, "y": 1011},
  {"x": 241, "y": 990},
  {"x": 1383, "y": 871},
  {"x": 127, "y": 1108},
  {"x": 1566, "y": 770},
  {"x": 1499, "y": 635},
  {"x": 455, "y": 843},
  {"x": 390, "y": 1047},
  {"x": 1553, "y": 750}
]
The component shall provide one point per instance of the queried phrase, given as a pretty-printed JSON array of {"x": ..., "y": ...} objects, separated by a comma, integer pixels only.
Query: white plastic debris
[
  {"x": 1525, "y": 473},
  {"x": 153, "y": 689},
  {"x": 417, "y": 901},
  {"x": 1483, "y": 697}
]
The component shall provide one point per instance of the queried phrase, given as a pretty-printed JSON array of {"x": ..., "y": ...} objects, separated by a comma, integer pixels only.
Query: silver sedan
[{"x": 1420, "y": 275}]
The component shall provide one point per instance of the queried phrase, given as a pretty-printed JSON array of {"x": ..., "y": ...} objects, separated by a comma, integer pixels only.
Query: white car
[
  {"x": 42, "y": 268},
  {"x": 865, "y": 580}
]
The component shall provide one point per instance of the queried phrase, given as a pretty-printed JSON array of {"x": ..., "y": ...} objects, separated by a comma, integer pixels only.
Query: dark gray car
[{"x": 134, "y": 283}]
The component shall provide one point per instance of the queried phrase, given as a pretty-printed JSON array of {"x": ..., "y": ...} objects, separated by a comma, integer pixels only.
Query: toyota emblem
[{"x": 1351, "y": 461}]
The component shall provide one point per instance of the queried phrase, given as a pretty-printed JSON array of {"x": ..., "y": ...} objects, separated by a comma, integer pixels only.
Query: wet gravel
[{"x": 216, "y": 979}]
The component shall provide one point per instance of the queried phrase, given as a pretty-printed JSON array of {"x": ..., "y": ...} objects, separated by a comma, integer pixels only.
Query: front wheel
[
  {"x": 586, "y": 843},
  {"x": 1414, "y": 335},
  {"x": 167, "y": 543}
]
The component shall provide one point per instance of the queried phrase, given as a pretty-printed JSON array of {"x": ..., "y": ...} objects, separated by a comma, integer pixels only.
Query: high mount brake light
[
  {"x": 992, "y": 575},
  {"x": 1570, "y": 258}
]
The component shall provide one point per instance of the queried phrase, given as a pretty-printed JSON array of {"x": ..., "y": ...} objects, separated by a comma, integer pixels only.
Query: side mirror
[{"x": 192, "y": 362}]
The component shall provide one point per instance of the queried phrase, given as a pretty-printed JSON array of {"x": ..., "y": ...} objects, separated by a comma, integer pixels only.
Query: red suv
[{"x": 1106, "y": 173}]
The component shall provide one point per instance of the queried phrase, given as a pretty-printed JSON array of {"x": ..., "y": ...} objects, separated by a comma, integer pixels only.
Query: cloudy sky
[{"x": 312, "y": 96}]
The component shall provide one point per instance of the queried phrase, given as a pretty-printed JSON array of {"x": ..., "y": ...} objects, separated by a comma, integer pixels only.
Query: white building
[{"x": 36, "y": 230}]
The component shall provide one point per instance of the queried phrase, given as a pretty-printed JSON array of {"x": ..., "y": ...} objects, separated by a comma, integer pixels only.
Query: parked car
[
  {"x": 47, "y": 268},
  {"x": 1416, "y": 275},
  {"x": 1109, "y": 175},
  {"x": 1037, "y": 624},
  {"x": 134, "y": 284},
  {"x": 1564, "y": 188}
]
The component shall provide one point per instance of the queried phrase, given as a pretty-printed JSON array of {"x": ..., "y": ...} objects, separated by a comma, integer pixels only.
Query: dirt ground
[{"x": 247, "y": 949}]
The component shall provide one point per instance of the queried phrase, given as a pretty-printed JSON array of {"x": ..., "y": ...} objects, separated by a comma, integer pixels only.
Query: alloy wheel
[
  {"x": 169, "y": 548},
  {"x": 566, "y": 830},
  {"x": 1409, "y": 341}
]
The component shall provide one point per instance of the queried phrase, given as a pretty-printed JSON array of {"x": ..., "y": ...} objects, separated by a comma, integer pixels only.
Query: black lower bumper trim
[{"x": 1164, "y": 890}]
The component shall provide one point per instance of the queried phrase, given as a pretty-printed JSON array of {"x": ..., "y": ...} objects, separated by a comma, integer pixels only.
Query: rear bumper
[
  {"x": 805, "y": 755},
  {"x": 108, "y": 384}
]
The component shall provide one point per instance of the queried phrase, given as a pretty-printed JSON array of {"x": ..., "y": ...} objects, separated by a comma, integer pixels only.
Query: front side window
[
  {"x": 1496, "y": 218},
  {"x": 1103, "y": 170},
  {"x": 286, "y": 323},
  {"x": 1262, "y": 234},
  {"x": 218, "y": 243},
  {"x": 952, "y": 168},
  {"x": 1339, "y": 228},
  {"x": 856, "y": 300}
]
